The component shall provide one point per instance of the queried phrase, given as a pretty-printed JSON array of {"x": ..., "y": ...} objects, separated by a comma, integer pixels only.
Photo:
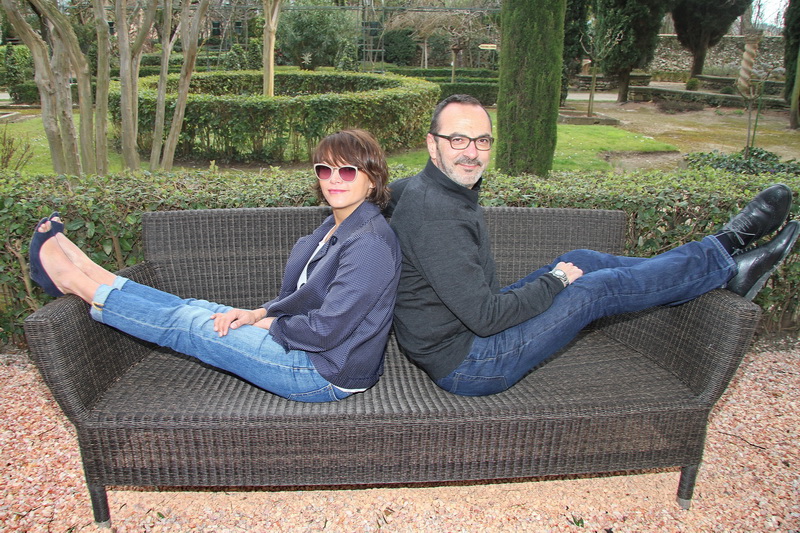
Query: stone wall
[{"x": 725, "y": 58}]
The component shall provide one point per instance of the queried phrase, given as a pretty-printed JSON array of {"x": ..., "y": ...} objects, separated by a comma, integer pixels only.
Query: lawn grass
[
  {"x": 579, "y": 148},
  {"x": 32, "y": 131}
]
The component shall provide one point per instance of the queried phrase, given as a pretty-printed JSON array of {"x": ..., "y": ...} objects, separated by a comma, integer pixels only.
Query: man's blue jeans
[
  {"x": 610, "y": 285},
  {"x": 184, "y": 325}
]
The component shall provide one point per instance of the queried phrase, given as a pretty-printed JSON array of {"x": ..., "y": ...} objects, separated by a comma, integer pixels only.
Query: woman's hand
[
  {"x": 224, "y": 322},
  {"x": 570, "y": 270}
]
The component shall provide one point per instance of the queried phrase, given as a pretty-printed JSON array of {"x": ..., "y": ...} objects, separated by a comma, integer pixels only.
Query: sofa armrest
[
  {"x": 702, "y": 341},
  {"x": 79, "y": 358}
]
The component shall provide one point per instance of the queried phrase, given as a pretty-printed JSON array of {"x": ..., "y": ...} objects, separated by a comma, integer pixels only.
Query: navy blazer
[{"x": 342, "y": 315}]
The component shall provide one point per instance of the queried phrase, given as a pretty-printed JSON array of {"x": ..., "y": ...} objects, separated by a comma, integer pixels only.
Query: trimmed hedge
[
  {"x": 479, "y": 83},
  {"x": 28, "y": 93},
  {"x": 443, "y": 72},
  {"x": 486, "y": 93},
  {"x": 103, "y": 215},
  {"x": 228, "y": 119}
]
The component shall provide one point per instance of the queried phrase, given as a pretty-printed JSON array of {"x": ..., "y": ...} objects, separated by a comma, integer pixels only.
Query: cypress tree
[{"x": 532, "y": 43}]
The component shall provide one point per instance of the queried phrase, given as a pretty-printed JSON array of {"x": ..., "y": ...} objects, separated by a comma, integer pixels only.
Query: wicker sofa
[{"x": 633, "y": 392}]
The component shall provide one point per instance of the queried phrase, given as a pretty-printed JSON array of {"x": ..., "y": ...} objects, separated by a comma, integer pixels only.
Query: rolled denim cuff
[{"x": 101, "y": 295}]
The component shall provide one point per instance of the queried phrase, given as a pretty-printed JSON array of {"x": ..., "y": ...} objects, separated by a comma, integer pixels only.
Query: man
[{"x": 473, "y": 338}]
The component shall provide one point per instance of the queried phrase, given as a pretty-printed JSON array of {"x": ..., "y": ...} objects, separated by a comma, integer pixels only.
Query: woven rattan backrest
[
  {"x": 523, "y": 239},
  {"x": 236, "y": 256},
  {"x": 230, "y": 256}
]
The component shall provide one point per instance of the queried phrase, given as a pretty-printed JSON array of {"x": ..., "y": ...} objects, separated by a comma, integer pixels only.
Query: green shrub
[
  {"x": 17, "y": 65},
  {"x": 400, "y": 46},
  {"x": 24, "y": 93},
  {"x": 103, "y": 215},
  {"x": 693, "y": 84},
  {"x": 760, "y": 161},
  {"x": 728, "y": 89},
  {"x": 228, "y": 119},
  {"x": 28, "y": 93}
]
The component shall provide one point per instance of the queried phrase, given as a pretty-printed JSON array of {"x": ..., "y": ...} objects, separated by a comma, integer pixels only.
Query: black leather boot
[
  {"x": 763, "y": 215},
  {"x": 758, "y": 264}
]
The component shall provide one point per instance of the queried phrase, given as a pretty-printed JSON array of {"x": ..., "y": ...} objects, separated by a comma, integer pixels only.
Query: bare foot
[{"x": 84, "y": 262}]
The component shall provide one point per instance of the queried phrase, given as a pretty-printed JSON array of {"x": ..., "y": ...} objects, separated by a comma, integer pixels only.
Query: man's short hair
[{"x": 454, "y": 99}]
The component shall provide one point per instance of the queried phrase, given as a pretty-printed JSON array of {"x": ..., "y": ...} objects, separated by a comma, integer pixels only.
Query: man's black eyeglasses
[{"x": 461, "y": 142}]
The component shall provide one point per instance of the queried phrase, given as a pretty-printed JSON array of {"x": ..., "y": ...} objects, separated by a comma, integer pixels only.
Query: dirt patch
[
  {"x": 712, "y": 128},
  {"x": 625, "y": 161}
]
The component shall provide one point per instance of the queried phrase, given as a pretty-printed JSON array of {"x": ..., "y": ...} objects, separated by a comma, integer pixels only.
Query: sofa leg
[
  {"x": 686, "y": 485},
  {"x": 102, "y": 515}
]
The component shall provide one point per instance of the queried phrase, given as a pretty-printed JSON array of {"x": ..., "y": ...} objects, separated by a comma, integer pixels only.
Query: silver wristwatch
[{"x": 560, "y": 275}]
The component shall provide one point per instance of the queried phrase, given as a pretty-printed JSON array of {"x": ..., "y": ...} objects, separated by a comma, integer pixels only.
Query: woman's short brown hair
[{"x": 361, "y": 149}]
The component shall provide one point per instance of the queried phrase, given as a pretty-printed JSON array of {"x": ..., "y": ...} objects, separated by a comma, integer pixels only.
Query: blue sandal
[
  {"x": 58, "y": 226},
  {"x": 38, "y": 273}
]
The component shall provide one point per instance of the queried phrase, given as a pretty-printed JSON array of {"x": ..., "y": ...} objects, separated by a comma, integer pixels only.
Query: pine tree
[
  {"x": 532, "y": 42},
  {"x": 700, "y": 25}
]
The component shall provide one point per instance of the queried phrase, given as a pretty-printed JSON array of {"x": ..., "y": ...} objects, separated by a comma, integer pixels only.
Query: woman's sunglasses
[{"x": 347, "y": 172}]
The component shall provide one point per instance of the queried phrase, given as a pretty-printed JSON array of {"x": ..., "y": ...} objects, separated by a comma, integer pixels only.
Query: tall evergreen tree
[
  {"x": 532, "y": 43},
  {"x": 637, "y": 23},
  {"x": 791, "y": 43},
  {"x": 575, "y": 22},
  {"x": 700, "y": 25}
]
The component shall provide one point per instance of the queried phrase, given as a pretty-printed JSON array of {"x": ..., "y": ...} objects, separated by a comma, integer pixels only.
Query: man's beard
[{"x": 452, "y": 171}]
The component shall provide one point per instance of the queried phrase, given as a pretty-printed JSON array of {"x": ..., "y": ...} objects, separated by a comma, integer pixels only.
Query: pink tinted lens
[
  {"x": 323, "y": 171},
  {"x": 348, "y": 173}
]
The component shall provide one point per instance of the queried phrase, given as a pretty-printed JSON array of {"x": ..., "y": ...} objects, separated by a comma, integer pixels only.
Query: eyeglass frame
[
  {"x": 471, "y": 140},
  {"x": 335, "y": 169}
]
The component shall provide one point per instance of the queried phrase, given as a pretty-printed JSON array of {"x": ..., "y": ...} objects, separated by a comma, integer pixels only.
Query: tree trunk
[
  {"x": 129, "y": 57},
  {"x": 698, "y": 62},
  {"x": 64, "y": 38},
  {"x": 130, "y": 155},
  {"x": 168, "y": 43},
  {"x": 624, "y": 81},
  {"x": 69, "y": 137},
  {"x": 45, "y": 81},
  {"x": 794, "y": 106},
  {"x": 272, "y": 12},
  {"x": 189, "y": 35},
  {"x": 103, "y": 77}
]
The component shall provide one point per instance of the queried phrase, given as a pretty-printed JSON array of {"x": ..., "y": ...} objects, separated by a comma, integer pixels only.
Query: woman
[{"x": 322, "y": 339}]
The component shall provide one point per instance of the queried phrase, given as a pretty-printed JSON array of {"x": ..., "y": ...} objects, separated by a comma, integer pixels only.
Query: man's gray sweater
[{"x": 449, "y": 292}]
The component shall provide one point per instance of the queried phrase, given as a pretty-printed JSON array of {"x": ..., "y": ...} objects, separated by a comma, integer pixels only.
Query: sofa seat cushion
[{"x": 172, "y": 421}]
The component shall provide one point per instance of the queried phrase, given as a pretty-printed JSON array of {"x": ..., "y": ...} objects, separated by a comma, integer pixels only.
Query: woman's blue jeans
[
  {"x": 185, "y": 326},
  {"x": 610, "y": 285}
]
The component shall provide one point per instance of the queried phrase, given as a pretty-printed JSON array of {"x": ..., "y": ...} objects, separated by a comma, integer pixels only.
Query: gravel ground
[{"x": 750, "y": 480}]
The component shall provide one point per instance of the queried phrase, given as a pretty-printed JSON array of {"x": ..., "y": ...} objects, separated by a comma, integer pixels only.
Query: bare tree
[
  {"x": 102, "y": 81},
  {"x": 190, "y": 26},
  {"x": 135, "y": 22},
  {"x": 168, "y": 38},
  {"x": 64, "y": 159}
]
